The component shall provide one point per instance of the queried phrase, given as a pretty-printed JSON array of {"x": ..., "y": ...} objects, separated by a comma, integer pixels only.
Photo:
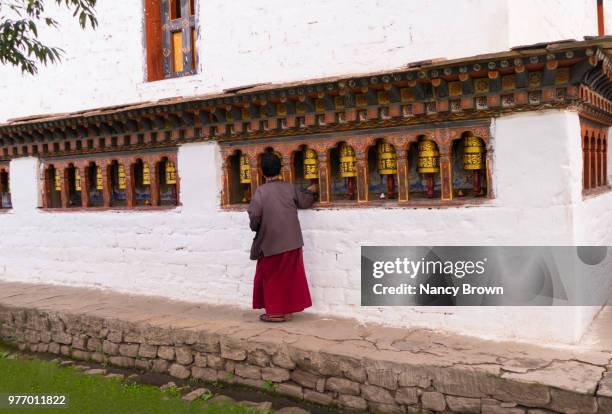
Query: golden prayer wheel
[
  {"x": 473, "y": 153},
  {"x": 99, "y": 179},
  {"x": 474, "y": 160},
  {"x": 387, "y": 159},
  {"x": 428, "y": 163},
  {"x": 429, "y": 157},
  {"x": 77, "y": 180},
  {"x": 146, "y": 174},
  {"x": 121, "y": 182},
  {"x": 311, "y": 164},
  {"x": 170, "y": 172},
  {"x": 58, "y": 180},
  {"x": 245, "y": 170},
  {"x": 348, "y": 161}
]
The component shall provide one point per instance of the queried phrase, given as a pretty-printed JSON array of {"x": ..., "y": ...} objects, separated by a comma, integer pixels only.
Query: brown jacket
[{"x": 273, "y": 215}]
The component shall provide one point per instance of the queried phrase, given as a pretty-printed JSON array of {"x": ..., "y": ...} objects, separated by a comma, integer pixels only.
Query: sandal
[{"x": 272, "y": 318}]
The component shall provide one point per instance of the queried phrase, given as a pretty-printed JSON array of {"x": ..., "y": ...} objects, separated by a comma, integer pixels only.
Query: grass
[{"x": 95, "y": 394}]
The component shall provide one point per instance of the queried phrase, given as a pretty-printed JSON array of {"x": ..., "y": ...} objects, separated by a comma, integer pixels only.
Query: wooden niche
[
  {"x": 239, "y": 175},
  {"x": 5, "y": 194},
  {"x": 141, "y": 173},
  {"x": 469, "y": 163}
]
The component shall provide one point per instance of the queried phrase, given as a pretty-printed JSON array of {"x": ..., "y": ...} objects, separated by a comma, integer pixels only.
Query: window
[
  {"x": 594, "y": 156},
  {"x": 5, "y": 195},
  {"x": 123, "y": 182},
  {"x": 170, "y": 38}
]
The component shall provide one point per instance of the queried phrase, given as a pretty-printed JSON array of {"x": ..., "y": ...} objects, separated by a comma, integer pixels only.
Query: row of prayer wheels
[
  {"x": 169, "y": 176},
  {"x": 428, "y": 164}
]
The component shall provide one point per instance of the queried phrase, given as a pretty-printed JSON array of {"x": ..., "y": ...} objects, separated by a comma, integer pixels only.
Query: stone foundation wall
[{"x": 302, "y": 369}]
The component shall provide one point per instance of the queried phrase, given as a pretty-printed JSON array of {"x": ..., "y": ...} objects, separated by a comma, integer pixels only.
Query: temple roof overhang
[{"x": 544, "y": 75}]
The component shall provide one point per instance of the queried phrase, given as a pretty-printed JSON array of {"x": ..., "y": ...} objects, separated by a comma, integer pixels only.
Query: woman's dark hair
[{"x": 270, "y": 164}]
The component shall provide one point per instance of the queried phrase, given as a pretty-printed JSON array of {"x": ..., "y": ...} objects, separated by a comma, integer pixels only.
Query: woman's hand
[{"x": 313, "y": 188}]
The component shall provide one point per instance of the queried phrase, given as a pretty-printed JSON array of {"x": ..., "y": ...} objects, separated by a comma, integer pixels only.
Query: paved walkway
[{"x": 388, "y": 360}]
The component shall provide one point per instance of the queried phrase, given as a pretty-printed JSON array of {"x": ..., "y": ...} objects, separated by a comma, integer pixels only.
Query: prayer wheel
[
  {"x": 348, "y": 168},
  {"x": 474, "y": 160},
  {"x": 428, "y": 163},
  {"x": 387, "y": 165},
  {"x": 77, "y": 180},
  {"x": 311, "y": 165},
  {"x": 146, "y": 174},
  {"x": 170, "y": 172},
  {"x": 121, "y": 181},
  {"x": 58, "y": 180},
  {"x": 245, "y": 177},
  {"x": 245, "y": 170},
  {"x": 99, "y": 179}
]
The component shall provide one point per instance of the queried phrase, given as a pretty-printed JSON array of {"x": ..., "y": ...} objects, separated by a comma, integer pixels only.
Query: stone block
[
  {"x": 232, "y": 352},
  {"x": 463, "y": 405},
  {"x": 376, "y": 394},
  {"x": 65, "y": 350},
  {"x": 45, "y": 336},
  {"x": 147, "y": 351},
  {"x": 79, "y": 342},
  {"x": 317, "y": 397},
  {"x": 304, "y": 378},
  {"x": 248, "y": 371},
  {"x": 351, "y": 401},
  {"x": 32, "y": 336},
  {"x": 408, "y": 395},
  {"x": 179, "y": 371},
  {"x": 121, "y": 361},
  {"x": 134, "y": 336},
  {"x": 292, "y": 390},
  {"x": 166, "y": 352},
  {"x": 81, "y": 355},
  {"x": 155, "y": 335},
  {"x": 183, "y": 355},
  {"x": 97, "y": 356},
  {"x": 54, "y": 348},
  {"x": 94, "y": 344},
  {"x": 200, "y": 360},
  {"x": 259, "y": 358},
  {"x": 215, "y": 361},
  {"x": 567, "y": 401},
  {"x": 143, "y": 364},
  {"x": 255, "y": 383},
  {"x": 379, "y": 408},
  {"x": 160, "y": 366},
  {"x": 385, "y": 378},
  {"x": 110, "y": 348},
  {"x": 129, "y": 350},
  {"x": 357, "y": 374},
  {"x": 61, "y": 338},
  {"x": 207, "y": 342},
  {"x": 433, "y": 401},
  {"x": 342, "y": 386},
  {"x": 205, "y": 374},
  {"x": 115, "y": 336},
  {"x": 605, "y": 386},
  {"x": 605, "y": 405},
  {"x": 283, "y": 360},
  {"x": 275, "y": 374}
]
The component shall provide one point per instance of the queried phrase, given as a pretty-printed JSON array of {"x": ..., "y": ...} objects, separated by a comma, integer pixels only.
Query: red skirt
[{"x": 280, "y": 284}]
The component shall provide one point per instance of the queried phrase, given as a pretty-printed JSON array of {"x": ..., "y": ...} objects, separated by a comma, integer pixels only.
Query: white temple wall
[
  {"x": 245, "y": 42},
  {"x": 198, "y": 252}
]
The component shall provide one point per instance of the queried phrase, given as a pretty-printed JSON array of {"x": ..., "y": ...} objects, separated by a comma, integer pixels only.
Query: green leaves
[{"x": 19, "y": 19}]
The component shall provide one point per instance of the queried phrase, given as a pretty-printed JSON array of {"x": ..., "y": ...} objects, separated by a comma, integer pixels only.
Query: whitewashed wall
[
  {"x": 244, "y": 42},
  {"x": 199, "y": 253}
]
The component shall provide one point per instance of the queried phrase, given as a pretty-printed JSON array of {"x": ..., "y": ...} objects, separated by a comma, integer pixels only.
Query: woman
[{"x": 280, "y": 284}]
